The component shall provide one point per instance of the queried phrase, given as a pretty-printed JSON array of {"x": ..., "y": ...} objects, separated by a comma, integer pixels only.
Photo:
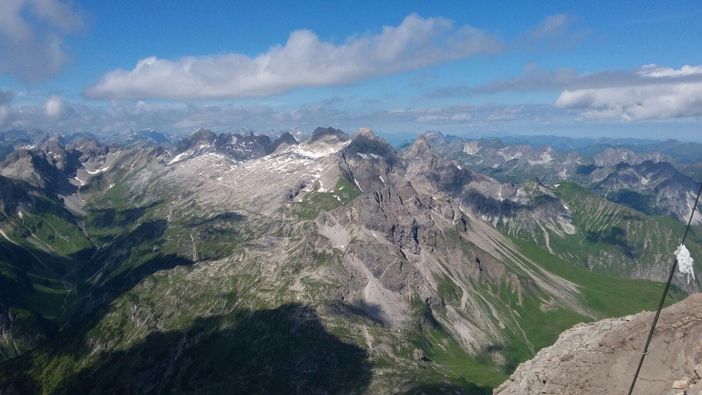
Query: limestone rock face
[{"x": 601, "y": 357}]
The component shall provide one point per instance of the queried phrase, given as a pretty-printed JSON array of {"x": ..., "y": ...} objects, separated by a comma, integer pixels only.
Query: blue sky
[{"x": 622, "y": 69}]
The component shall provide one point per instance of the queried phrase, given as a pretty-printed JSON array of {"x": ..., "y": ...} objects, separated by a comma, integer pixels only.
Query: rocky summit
[
  {"x": 601, "y": 357},
  {"x": 334, "y": 263}
]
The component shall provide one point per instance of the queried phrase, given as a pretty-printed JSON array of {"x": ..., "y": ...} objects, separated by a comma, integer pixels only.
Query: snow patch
[
  {"x": 6, "y": 237},
  {"x": 178, "y": 158},
  {"x": 98, "y": 171},
  {"x": 355, "y": 181},
  {"x": 316, "y": 152}
]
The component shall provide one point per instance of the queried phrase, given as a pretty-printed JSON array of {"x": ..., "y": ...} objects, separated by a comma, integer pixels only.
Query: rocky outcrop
[{"x": 602, "y": 357}]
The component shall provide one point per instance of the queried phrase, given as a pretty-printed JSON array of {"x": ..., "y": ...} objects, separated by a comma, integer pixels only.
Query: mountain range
[{"x": 237, "y": 262}]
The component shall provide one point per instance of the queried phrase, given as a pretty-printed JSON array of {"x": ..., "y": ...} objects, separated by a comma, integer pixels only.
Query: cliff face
[{"x": 602, "y": 357}]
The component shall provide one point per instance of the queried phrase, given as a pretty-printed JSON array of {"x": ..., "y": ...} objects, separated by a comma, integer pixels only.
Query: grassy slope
[
  {"x": 43, "y": 242},
  {"x": 614, "y": 239},
  {"x": 314, "y": 202}
]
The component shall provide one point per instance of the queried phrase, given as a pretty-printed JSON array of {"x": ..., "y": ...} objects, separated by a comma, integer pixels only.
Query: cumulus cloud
[
  {"x": 32, "y": 34},
  {"x": 535, "y": 78},
  {"x": 652, "y": 92},
  {"x": 56, "y": 107},
  {"x": 636, "y": 102},
  {"x": 303, "y": 61},
  {"x": 649, "y": 92}
]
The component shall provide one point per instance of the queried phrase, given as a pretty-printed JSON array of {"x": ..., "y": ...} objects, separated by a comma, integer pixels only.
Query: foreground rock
[{"x": 601, "y": 358}]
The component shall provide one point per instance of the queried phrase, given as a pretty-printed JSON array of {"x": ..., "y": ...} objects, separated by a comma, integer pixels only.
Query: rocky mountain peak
[
  {"x": 368, "y": 132},
  {"x": 433, "y": 135},
  {"x": 367, "y": 145},
  {"x": 420, "y": 156},
  {"x": 285, "y": 138},
  {"x": 328, "y": 135},
  {"x": 200, "y": 137},
  {"x": 54, "y": 146},
  {"x": 243, "y": 147}
]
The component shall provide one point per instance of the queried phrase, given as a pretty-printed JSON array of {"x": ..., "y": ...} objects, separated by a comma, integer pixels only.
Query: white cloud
[
  {"x": 31, "y": 37},
  {"x": 555, "y": 32},
  {"x": 55, "y": 107},
  {"x": 552, "y": 25},
  {"x": 303, "y": 61},
  {"x": 656, "y": 93},
  {"x": 4, "y": 115},
  {"x": 535, "y": 78},
  {"x": 5, "y": 99},
  {"x": 649, "y": 92},
  {"x": 654, "y": 71}
]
